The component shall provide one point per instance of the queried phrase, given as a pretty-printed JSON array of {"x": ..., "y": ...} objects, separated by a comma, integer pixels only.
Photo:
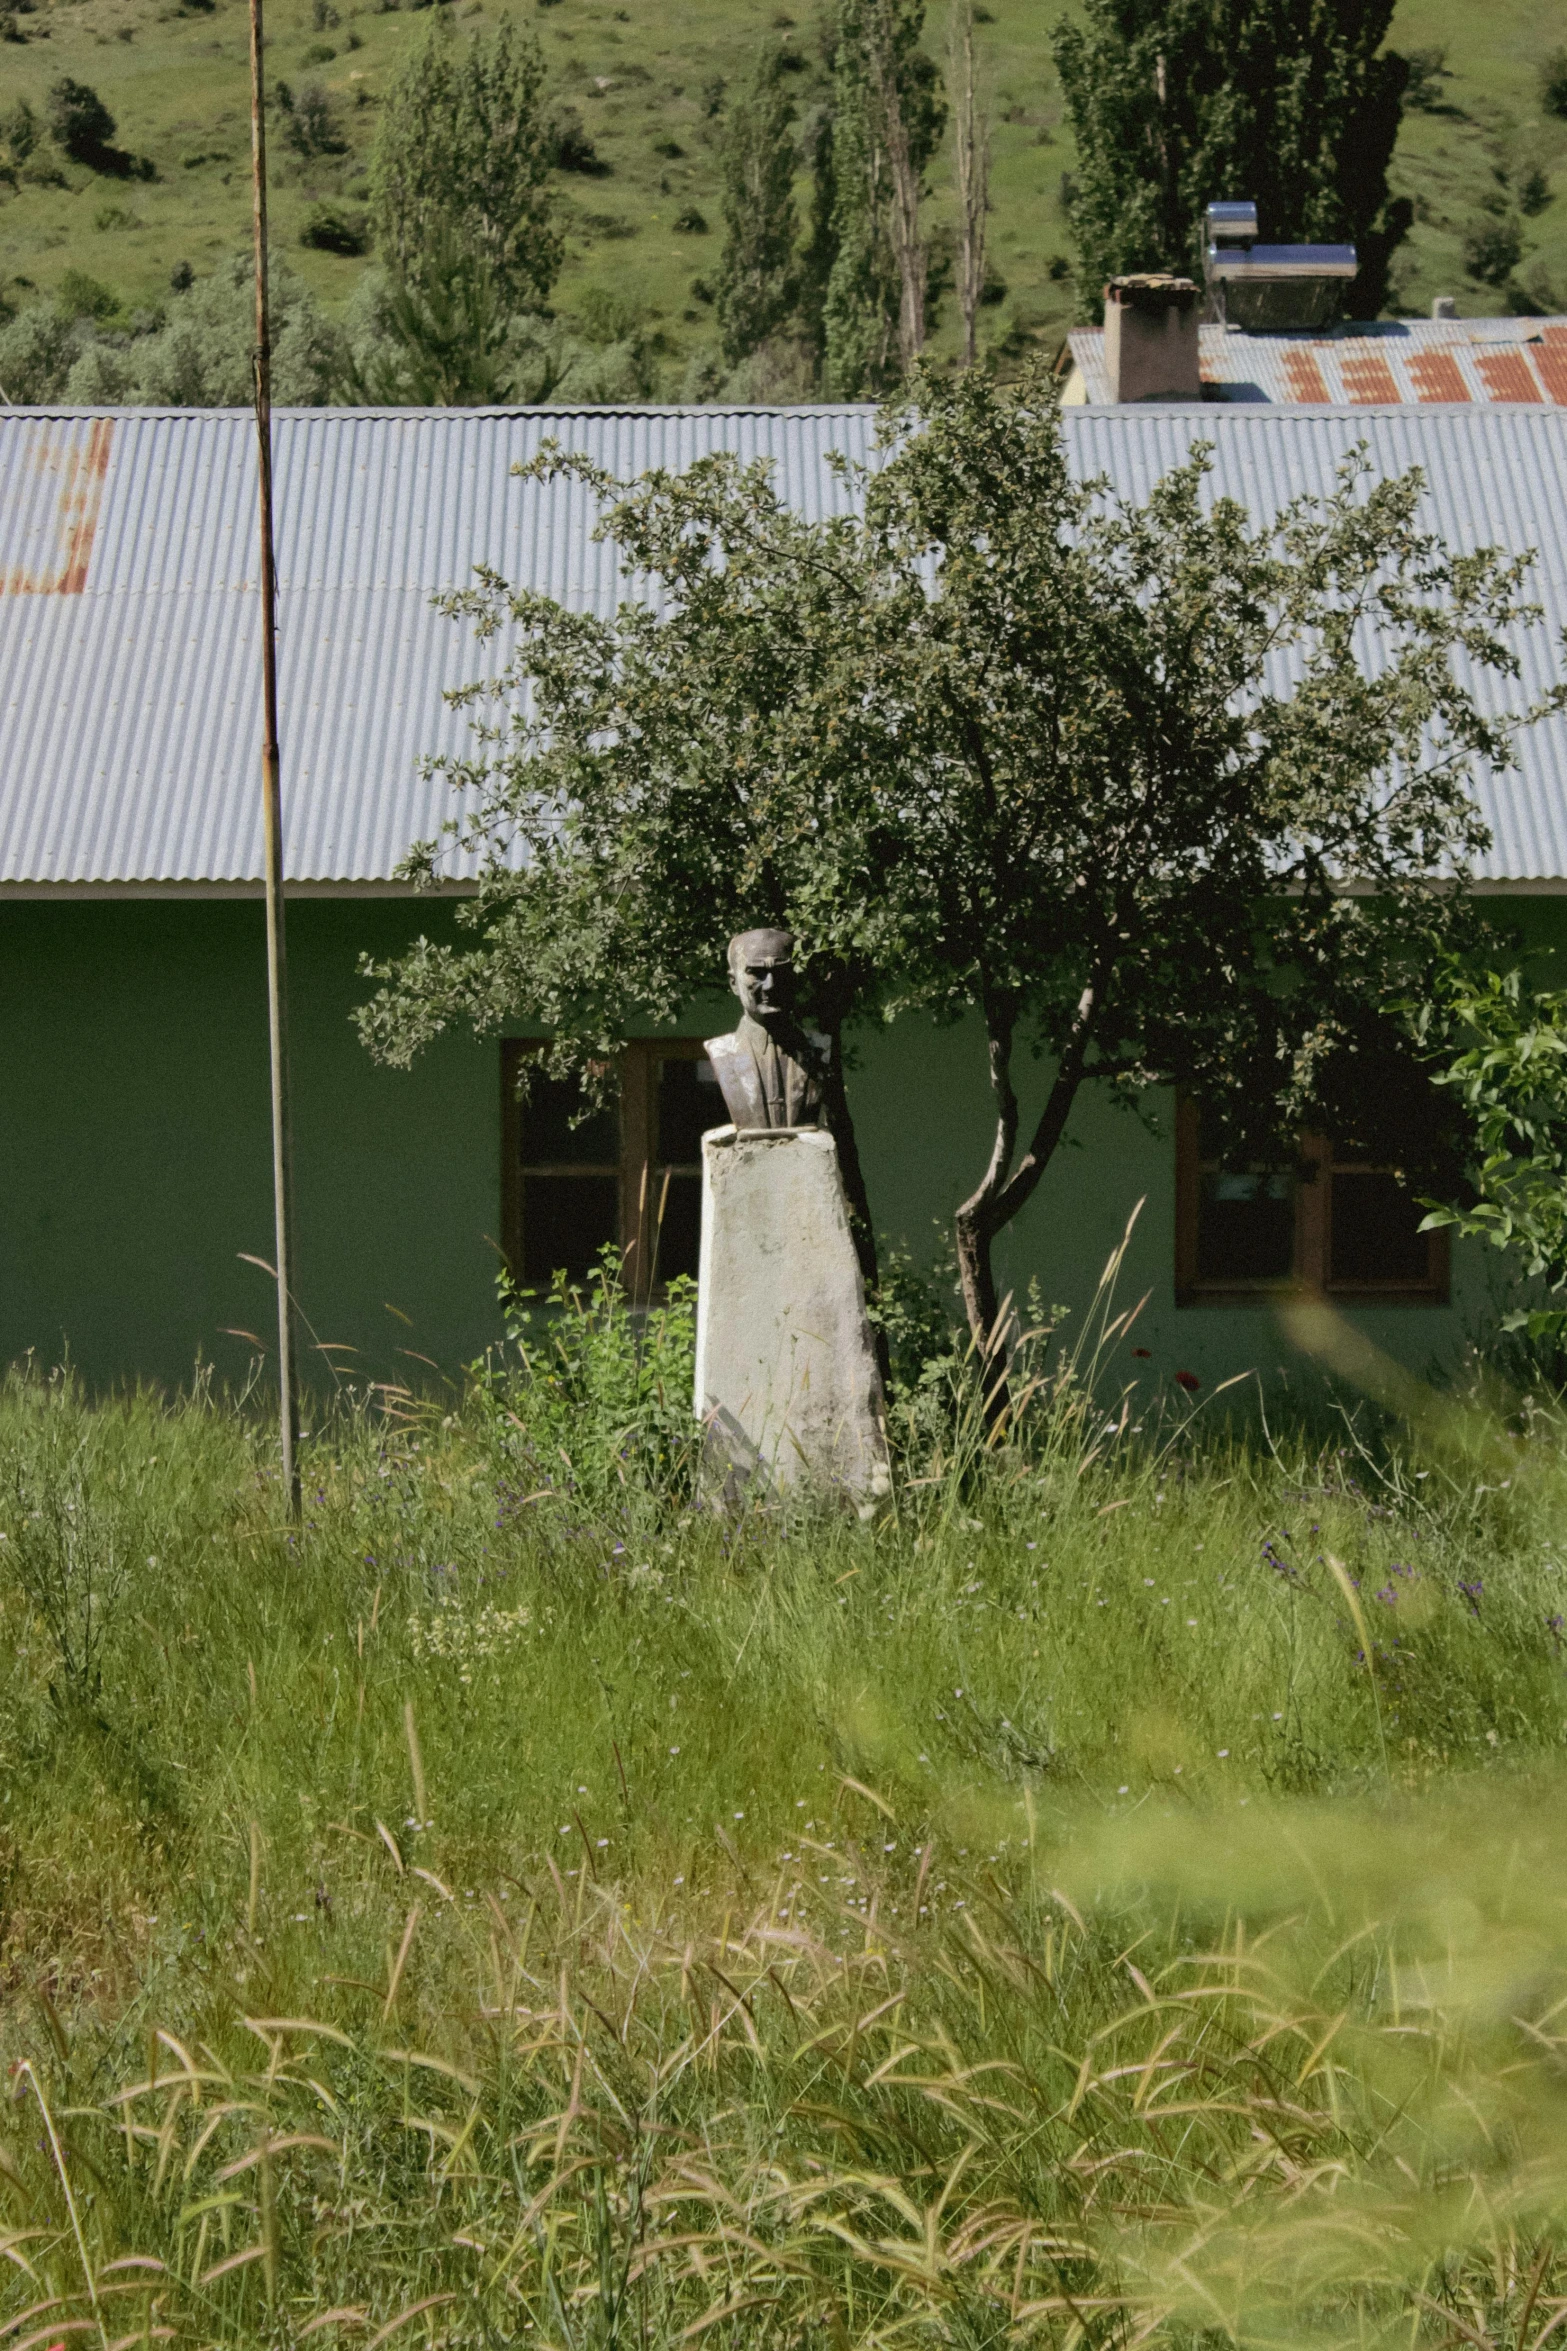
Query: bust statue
[{"x": 769, "y": 1069}]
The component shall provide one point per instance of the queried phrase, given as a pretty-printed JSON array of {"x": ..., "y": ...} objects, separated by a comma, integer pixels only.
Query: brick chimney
[{"x": 1151, "y": 338}]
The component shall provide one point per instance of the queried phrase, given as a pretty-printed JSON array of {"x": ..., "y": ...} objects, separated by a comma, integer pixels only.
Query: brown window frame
[
  {"x": 641, "y": 1176},
  {"x": 1316, "y": 1167}
]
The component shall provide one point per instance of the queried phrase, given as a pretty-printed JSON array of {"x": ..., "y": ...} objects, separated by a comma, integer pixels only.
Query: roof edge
[
  {"x": 235, "y": 888},
  {"x": 64, "y": 410}
]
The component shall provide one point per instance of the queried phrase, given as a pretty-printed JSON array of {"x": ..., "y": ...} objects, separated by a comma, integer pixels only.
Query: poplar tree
[
  {"x": 970, "y": 172},
  {"x": 1175, "y": 104},
  {"x": 888, "y": 115},
  {"x": 461, "y": 152},
  {"x": 758, "y": 282}
]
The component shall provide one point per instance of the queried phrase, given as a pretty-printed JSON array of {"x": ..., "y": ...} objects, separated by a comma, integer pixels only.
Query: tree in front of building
[
  {"x": 1123, "y": 786},
  {"x": 1176, "y": 104},
  {"x": 1500, "y": 1046},
  {"x": 462, "y": 151}
]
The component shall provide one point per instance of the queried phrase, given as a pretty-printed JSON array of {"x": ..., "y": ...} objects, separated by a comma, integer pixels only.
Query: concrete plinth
[{"x": 786, "y": 1378}]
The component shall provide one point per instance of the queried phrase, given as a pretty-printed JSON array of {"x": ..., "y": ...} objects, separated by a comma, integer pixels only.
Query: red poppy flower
[
  {"x": 1144, "y": 1352},
  {"x": 1189, "y": 1381}
]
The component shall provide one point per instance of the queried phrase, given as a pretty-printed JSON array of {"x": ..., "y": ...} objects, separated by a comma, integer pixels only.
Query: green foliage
[
  {"x": 757, "y": 284},
  {"x": 37, "y": 349},
  {"x": 197, "y": 355},
  {"x": 79, "y": 120},
  {"x": 1177, "y": 103},
  {"x": 445, "y": 342},
  {"x": 996, "y": 743},
  {"x": 570, "y": 145},
  {"x": 310, "y": 124},
  {"x": 461, "y": 153},
  {"x": 18, "y": 134},
  {"x": 202, "y": 356},
  {"x": 1492, "y": 250},
  {"x": 1509, "y": 1068},
  {"x": 593, "y": 1384},
  {"x": 875, "y": 46},
  {"x": 1553, "y": 83},
  {"x": 333, "y": 228},
  {"x": 81, "y": 296},
  {"x": 1428, "y": 71}
]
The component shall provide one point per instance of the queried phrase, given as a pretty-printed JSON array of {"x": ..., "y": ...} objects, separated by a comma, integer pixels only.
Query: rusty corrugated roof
[
  {"x": 128, "y": 662},
  {"x": 1423, "y": 361}
]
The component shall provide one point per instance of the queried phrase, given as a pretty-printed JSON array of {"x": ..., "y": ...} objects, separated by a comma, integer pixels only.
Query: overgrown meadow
[{"x": 1119, "y": 1892}]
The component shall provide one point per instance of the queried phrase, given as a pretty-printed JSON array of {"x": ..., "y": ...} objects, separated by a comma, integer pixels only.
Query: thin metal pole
[{"x": 272, "y": 808}]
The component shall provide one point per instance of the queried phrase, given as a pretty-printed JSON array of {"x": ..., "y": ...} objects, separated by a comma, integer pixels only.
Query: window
[
  {"x": 628, "y": 1175},
  {"x": 1331, "y": 1223}
]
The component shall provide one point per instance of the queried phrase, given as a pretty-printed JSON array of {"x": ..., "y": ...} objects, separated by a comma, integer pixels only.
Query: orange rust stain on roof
[
  {"x": 1508, "y": 375},
  {"x": 1436, "y": 375},
  {"x": 1304, "y": 376},
  {"x": 1369, "y": 382},
  {"x": 83, "y": 468},
  {"x": 1550, "y": 360}
]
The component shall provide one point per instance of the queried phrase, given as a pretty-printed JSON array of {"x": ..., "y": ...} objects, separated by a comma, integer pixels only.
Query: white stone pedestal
[{"x": 786, "y": 1378}]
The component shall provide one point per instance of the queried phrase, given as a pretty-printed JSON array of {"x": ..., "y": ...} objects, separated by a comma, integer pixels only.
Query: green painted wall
[
  {"x": 135, "y": 1159},
  {"x": 136, "y": 1151}
]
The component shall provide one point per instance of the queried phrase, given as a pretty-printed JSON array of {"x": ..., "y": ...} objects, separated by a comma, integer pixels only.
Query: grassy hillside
[{"x": 647, "y": 79}]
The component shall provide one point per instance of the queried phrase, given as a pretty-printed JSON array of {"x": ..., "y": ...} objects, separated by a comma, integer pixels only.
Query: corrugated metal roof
[
  {"x": 1421, "y": 361},
  {"x": 129, "y": 669},
  {"x": 129, "y": 681}
]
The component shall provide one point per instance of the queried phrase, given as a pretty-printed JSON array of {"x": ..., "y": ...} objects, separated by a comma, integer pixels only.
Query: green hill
[{"x": 647, "y": 81}]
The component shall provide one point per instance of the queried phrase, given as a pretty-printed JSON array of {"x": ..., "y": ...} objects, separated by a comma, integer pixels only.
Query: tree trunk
[
  {"x": 1005, "y": 1189},
  {"x": 971, "y": 166}
]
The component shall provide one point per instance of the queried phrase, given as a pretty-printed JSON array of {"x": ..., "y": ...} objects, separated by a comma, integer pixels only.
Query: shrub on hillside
[
  {"x": 81, "y": 296},
  {"x": 79, "y": 120},
  {"x": 1427, "y": 72},
  {"x": 37, "y": 350},
  {"x": 1492, "y": 249},
  {"x": 198, "y": 356},
  {"x": 1553, "y": 83},
  {"x": 18, "y": 138},
  {"x": 311, "y": 127},
  {"x": 570, "y": 145},
  {"x": 331, "y": 228}
]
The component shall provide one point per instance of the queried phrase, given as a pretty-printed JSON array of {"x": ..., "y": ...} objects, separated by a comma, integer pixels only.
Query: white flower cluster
[{"x": 465, "y": 1641}]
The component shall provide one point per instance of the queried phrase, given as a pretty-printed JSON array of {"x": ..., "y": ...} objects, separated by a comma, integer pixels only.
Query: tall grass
[{"x": 1118, "y": 1893}]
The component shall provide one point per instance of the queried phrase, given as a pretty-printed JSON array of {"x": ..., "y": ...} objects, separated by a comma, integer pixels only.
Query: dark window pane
[
  {"x": 566, "y": 1221},
  {"x": 548, "y": 1137},
  {"x": 1246, "y": 1227},
  {"x": 681, "y": 1229},
  {"x": 1374, "y": 1231},
  {"x": 689, "y": 1102}
]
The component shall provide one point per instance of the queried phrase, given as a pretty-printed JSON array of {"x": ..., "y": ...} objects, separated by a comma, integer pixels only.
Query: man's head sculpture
[
  {"x": 761, "y": 973},
  {"x": 769, "y": 1070}
]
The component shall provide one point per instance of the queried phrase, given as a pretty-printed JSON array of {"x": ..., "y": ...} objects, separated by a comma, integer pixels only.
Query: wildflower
[
  {"x": 1189, "y": 1381},
  {"x": 1146, "y": 1353},
  {"x": 1472, "y": 1595}
]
